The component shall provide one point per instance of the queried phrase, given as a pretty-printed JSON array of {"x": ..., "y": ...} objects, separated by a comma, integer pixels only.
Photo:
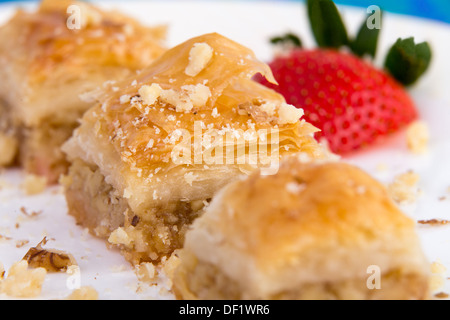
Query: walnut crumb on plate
[
  {"x": 49, "y": 259},
  {"x": 22, "y": 282},
  {"x": 417, "y": 135},
  {"x": 404, "y": 187},
  {"x": 34, "y": 184},
  {"x": 83, "y": 293},
  {"x": 441, "y": 295}
]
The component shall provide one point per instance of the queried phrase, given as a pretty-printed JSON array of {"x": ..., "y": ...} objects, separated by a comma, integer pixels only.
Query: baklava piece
[
  {"x": 150, "y": 155},
  {"x": 312, "y": 231},
  {"x": 48, "y": 58}
]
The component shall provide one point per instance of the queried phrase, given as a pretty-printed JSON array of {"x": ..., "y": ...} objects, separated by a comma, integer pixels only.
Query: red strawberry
[
  {"x": 352, "y": 103},
  {"x": 349, "y": 99}
]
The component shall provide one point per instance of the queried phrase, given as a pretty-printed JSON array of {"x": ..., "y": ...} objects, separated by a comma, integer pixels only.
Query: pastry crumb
[
  {"x": 146, "y": 272},
  {"x": 434, "y": 222},
  {"x": 3, "y": 237},
  {"x": 83, "y": 293},
  {"x": 437, "y": 281},
  {"x": 199, "y": 57},
  {"x": 21, "y": 243},
  {"x": 404, "y": 187},
  {"x": 31, "y": 214},
  {"x": 119, "y": 236},
  {"x": 169, "y": 266},
  {"x": 441, "y": 295},
  {"x": 417, "y": 135},
  {"x": 2, "y": 273},
  {"x": 438, "y": 268},
  {"x": 381, "y": 167},
  {"x": 34, "y": 184},
  {"x": 118, "y": 268},
  {"x": 22, "y": 282}
]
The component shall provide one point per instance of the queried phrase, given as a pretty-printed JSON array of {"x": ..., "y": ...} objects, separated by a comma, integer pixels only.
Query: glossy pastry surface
[
  {"x": 187, "y": 125},
  {"x": 312, "y": 231}
]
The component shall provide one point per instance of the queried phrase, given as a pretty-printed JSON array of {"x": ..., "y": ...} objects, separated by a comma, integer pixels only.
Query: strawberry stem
[
  {"x": 289, "y": 39},
  {"x": 326, "y": 24},
  {"x": 407, "y": 61}
]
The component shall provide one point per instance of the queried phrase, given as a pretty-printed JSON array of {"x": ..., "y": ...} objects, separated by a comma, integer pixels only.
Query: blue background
[{"x": 431, "y": 9}]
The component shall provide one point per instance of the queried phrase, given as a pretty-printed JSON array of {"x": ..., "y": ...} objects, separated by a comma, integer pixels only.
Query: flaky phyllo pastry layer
[
  {"x": 317, "y": 230},
  {"x": 51, "y": 56},
  {"x": 167, "y": 139}
]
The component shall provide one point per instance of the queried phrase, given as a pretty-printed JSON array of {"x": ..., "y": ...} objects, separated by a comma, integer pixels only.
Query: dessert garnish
[{"x": 343, "y": 93}]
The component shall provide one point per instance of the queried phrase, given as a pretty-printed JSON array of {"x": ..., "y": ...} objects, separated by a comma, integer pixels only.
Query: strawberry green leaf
[
  {"x": 407, "y": 61},
  {"x": 326, "y": 24},
  {"x": 366, "y": 41},
  {"x": 288, "y": 39}
]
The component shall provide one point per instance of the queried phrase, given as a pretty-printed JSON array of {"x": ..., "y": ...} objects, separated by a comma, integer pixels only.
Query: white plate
[{"x": 250, "y": 23}]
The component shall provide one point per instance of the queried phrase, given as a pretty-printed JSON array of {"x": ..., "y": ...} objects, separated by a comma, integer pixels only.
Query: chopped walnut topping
[
  {"x": 22, "y": 282},
  {"x": 199, "y": 57},
  {"x": 269, "y": 108},
  {"x": 190, "y": 177},
  {"x": 84, "y": 293},
  {"x": 215, "y": 113},
  {"x": 150, "y": 94},
  {"x": 150, "y": 144},
  {"x": 417, "y": 136},
  {"x": 125, "y": 98},
  {"x": 189, "y": 97},
  {"x": 266, "y": 111},
  {"x": 289, "y": 114},
  {"x": 49, "y": 259}
]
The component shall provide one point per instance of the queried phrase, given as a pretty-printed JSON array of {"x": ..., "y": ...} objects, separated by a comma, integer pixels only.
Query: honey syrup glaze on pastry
[
  {"x": 131, "y": 142},
  {"x": 311, "y": 231},
  {"x": 45, "y": 65}
]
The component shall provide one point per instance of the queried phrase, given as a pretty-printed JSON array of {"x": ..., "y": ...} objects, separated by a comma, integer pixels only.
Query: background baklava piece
[
  {"x": 142, "y": 165},
  {"x": 48, "y": 58}
]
